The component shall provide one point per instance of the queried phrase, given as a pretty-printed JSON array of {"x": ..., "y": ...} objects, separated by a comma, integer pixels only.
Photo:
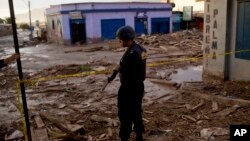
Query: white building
[
  {"x": 93, "y": 22},
  {"x": 227, "y": 39}
]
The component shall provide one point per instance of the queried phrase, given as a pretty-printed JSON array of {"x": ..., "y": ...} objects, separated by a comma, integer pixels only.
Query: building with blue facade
[{"x": 94, "y": 22}]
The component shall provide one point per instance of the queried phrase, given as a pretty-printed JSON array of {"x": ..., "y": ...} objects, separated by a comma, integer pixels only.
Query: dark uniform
[
  {"x": 2, "y": 64},
  {"x": 132, "y": 74}
]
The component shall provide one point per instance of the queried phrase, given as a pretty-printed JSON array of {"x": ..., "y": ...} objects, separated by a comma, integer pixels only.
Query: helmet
[{"x": 125, "y": 33}]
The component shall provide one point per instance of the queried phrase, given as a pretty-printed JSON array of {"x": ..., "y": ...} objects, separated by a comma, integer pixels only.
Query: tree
[
  {"x": 2, "y": 21},
  {"x": 24, "y": 26},
  {"x": 8, "y": 20}
]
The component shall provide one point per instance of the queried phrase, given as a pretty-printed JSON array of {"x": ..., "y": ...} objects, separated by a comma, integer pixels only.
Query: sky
[{"x": 21, "y": 6}]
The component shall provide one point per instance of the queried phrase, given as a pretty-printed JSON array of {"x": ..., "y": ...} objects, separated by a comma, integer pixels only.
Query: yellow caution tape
[
  {"x": 36, "y": 81},
  {"x": 21, "y": 110}
]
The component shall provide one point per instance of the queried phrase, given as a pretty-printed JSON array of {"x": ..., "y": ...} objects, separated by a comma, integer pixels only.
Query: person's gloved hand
[{"x": 112, "y": 77}]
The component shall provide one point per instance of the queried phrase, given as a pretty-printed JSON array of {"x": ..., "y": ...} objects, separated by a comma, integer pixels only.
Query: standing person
[
  {"x": 132, "y": 69},
  {"x": 5, "y": 62}
]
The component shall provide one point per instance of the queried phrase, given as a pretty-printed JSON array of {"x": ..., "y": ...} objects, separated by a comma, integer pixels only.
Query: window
[{"x": 243, "y": 30}]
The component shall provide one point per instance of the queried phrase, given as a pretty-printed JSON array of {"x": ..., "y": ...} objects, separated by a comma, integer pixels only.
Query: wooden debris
[
  {"x": 145, "y": 120},
  {"x": 207, "y": 133},
  {"x": 39, "y": 122},
  {"x": 3, "y": 82},
  {"x": 215, "y": 106},
  {"x": 102, "y": 119},
  {"x": 189, "y": 117},
  {"x": 110, "y": 133},
  {"x": 198, "y": 106},
  {"x": 147, "y": 112},
  {"x": 220, "y": 99},
  {"x": 71, "y": 51},
  {"x": 102, "y": 136},
  {"x": 90, "y": 138},
  {"x": 39, "y": 134},
  {"x": 163, "y": 96},
  {"x": 93, "y": 49},
  {"x": 55, "y": 121},
  {"x": 67, "y": 128},
  {"x": 163, "y": 82},
  {"x": 15, "y": 135},
  {"x": 228, "y": 111},
  {"x": 188, "y": 106},
  {"x": 75, "y": 128}
]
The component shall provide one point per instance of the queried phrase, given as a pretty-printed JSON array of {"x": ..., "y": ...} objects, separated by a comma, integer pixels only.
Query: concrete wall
[
  {"x": 215, "y": 37},
  {"x": 93, "y": 19},
  {"x": 222, "y": 66},
  {"x": 113, "y": 5},
  {"x": 239, "y": 69},
  {"x": 56, "y": 34}
]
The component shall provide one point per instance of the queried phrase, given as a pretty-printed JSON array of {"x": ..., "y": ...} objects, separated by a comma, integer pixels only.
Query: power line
[{"x": 25, "y": 3}]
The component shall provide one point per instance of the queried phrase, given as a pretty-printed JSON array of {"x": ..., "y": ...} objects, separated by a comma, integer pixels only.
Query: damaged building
[
  {"x": 226, "y": 43},
  {"x": 94, "y": 22}
]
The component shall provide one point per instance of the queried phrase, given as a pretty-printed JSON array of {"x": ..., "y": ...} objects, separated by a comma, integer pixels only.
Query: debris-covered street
[{"x": 177, "y": 105}]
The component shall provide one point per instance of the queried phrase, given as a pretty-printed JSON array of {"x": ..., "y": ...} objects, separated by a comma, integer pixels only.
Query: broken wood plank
[
  {"x": 110, "y": 133},
  {"x": 220, "y": 99},
  {"x": 165, "y": 95},
  {"x": 40, "y": 135},
  {"x": 189, "y": 117},
  {"x": 102, "y": 119},
  {"x": 164, "y": 82},
  {"x": 215, "y": 106},
  {"x": 90, "y": 138},
  {"x": 198, "y": 106},
  {"x": 39, "y": 122},
  {"x": 55, "y": 121},
  {"x": 228, "y": 111},
  {"x": 71, "y": 51}
]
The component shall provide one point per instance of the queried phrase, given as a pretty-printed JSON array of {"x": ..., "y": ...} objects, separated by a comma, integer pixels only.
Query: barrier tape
[
  {"x": 21, "y": 110},
  {"x": 83, "y": 74}
]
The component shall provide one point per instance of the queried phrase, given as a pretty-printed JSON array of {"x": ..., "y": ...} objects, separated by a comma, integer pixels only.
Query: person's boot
[{"x": 139, "y": 137}]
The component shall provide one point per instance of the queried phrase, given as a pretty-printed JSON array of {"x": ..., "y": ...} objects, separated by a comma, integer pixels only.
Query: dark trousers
[{"x": 129, "y": 109}]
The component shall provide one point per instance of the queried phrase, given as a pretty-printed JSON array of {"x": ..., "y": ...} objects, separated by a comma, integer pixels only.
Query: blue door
[
  {"x": 160, "y": 25},
  {"x": 243, "y": 31},
  {"x": 141, "y": 26},
  {"x": 110, "y": 26}
]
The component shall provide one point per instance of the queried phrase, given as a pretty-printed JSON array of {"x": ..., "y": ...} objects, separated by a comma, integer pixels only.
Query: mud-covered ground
[{"x": 75, "y": 108}]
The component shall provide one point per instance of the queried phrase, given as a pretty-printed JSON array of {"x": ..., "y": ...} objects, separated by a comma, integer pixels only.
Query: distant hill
[{"x": 36, "y": 14}]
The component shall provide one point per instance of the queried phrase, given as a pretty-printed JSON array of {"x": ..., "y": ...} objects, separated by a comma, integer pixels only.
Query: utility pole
[
  {"x": 20, "y": 72},
  {"x": 31, "y": 34}
]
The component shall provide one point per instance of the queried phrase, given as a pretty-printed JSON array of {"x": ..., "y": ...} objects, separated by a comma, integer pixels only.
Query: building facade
[
  {"x": 94, "y": 22},
  {"x": 226, "y": 39}
]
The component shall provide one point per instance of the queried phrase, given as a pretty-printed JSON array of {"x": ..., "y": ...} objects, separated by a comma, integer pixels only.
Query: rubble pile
[
  {"x": 187, "y": 40},
  {"x": 183, "y": 39},
  {"x": 76, "y": 108}
]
